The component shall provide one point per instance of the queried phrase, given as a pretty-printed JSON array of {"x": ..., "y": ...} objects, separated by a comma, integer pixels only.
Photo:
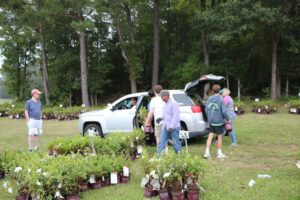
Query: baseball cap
[
  {"x": 35, "y": 91},
  {"x": 221, "y": 91},
  {"x": 164, "y": 93}
]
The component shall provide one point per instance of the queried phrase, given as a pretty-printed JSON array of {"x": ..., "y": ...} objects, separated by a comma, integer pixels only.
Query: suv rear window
[{"x": 183, "y": 100}]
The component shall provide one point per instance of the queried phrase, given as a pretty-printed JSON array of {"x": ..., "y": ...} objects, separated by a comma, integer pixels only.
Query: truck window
[{"x": 183, "y": 100}]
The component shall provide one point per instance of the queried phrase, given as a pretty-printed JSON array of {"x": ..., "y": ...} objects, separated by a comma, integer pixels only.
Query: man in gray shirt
[{"x": 33, "y": 114}]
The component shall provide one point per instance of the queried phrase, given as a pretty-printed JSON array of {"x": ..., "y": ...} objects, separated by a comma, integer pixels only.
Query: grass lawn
[{"x": 268, "y": 144}]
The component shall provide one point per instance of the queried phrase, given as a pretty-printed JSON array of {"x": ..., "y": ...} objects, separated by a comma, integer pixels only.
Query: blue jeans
[
  {"x": 232, "y": 134},
  {"x": 164, "y": 138}
]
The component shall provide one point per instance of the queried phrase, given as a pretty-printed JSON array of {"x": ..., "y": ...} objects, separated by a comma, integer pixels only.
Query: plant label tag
[
  {"x": 258, "y": 110},
  {"x": 114, "y": 178},
  {"x": 139, "y": 149},
  {"x": 131, "y": 145},
  {"x": 256, "y": 100},
  {"x": 236, "y": 109},
  {"x": 103, "y": 178},
  {"x": 92, "y": 180},
  {"x": 125, "y": 171}
]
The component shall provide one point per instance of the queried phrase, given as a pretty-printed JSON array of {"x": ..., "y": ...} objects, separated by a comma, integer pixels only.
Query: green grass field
[{"x": 268, "y": 144}]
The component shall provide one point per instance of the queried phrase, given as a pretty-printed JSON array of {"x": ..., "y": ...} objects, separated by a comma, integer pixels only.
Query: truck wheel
[{"x": 95, "y": 128}]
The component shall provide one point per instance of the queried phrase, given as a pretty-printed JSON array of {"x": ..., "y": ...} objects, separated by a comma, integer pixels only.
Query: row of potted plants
[
  {"x": 128, "y": 145},
  {"x": 172, "y": 176},
  {"x": 239, "y": 108},
  {"x": 264, "y": 107},
  {"x": 63, "y": 176},
  {"x": 16, "y": 111},
  {"x": 294, "y": 107}
]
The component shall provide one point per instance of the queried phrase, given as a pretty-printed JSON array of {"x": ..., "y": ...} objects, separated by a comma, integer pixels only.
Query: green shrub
[{"x": 264, "y": 107}]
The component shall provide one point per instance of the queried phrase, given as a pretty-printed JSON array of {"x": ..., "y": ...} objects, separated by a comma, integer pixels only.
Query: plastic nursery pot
[
  {"x": 228, "y": 127},
  {"x": 148, "y": 193},
  {"x": 73, "y": 197},
  {"x": 177, "y": 196},
  {"x": 106, "y": 182},
  {"x": 84, "y": 187},
  {"x": 193, "y": 195},
  {"x": 21, "y": 198},
  {"x": 164, "y": 194},
  {"x": 125, "y": 179},
  {"x": 2, "y": 174},
  {"x": 97, "y": 185}
]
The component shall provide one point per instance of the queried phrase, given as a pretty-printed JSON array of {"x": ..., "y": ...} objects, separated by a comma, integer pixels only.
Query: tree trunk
[
  {"x": 96, "y": 99},
  {"x": 130, "y": 26},
  {"x": 287, "y": 87},
  {"x": 83, "y": 64},
  {"x": 227, "y": 80},
  {"x": 124, "y": 55},
  {"x": 24, "y": 78},
  {"x": 70, "y": 97},
  {"x": 274, "y": 68},
  {"x": 239, "y": 89},
  {"x": 155, "y": 69},
  {"x": 45, "y": 66},
  {"x": 278, "y": 85}
]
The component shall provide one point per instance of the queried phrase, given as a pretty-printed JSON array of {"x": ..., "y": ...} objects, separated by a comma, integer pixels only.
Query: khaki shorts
[{"x": 157, "y": 130}]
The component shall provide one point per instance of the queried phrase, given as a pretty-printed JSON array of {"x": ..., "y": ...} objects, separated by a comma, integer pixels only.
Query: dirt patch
[
  {"x": 293, "y": 147},
  {"x": 269, "y": 158}
]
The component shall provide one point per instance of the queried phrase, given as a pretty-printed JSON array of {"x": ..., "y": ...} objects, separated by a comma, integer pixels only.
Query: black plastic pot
[
  {"x": 177, "y": 196},
  {"x": 84, "y": 187},
  {"x": 164, "y": 194},
  {"x": 73, "y": 197},
  {"x": 125, "y": 179},
  {"x": 193, "y": 195},
  {"x": 97, "y": 185},
  {"x": 148, "y": 193}
]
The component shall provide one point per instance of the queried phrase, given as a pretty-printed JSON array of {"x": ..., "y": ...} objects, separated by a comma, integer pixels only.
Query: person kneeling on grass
[
  {"x": 33, "y": 114},
  {"x": 171, "y": 123},
  {"x": 216, "y": 112}
]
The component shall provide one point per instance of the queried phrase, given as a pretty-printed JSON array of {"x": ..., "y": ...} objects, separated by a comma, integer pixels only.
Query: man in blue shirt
[
  {"x": 33, "y": 114},
  {"x": 171, "y": 123}
]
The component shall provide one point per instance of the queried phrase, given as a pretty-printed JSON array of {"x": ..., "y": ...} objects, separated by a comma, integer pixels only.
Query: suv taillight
[{"x": 196, "y": 109}]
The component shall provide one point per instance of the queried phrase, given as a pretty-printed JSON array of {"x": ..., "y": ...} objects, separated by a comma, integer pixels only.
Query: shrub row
[
  {"x": 239, "y": 108},
  {"x": 294, "y": 107},
  {"x": 64, "y": 176},
  {"x": 172, "y": 174},
  {"x": 16, "y": 111},
  {"x": 126, "y": 145},
  {"x": 264, "y": 107}
]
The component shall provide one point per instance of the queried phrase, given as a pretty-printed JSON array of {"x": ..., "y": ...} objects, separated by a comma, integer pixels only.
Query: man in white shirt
[{"x": 156, "y": 109}]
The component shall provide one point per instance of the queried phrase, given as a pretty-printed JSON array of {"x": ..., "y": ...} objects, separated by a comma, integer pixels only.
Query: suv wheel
[{"x": 95, "y": 128}]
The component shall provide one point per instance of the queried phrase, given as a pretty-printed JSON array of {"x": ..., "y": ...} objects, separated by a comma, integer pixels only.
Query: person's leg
[
  {"x": 163, "y": 140},
  {"x": 176, "y": 141},
  {"x": 220, "y": 143},
  {"x": 30, "y": 138},
  {"x": 208, "y": 143},
  {"x": 36, "y": 141},
  {"x": 232, "y": 134}
]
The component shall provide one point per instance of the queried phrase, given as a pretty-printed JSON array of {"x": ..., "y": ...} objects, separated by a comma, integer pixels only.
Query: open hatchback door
[{"x": 194, "y": 87}]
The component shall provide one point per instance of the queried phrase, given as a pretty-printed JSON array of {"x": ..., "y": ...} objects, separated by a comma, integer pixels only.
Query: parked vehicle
[{"x": 121, "y": 116}]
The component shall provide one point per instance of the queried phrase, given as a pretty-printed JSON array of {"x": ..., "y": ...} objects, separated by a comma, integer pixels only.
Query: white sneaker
[
  {"x": 222, "y": 156},
  {"x": 234, "y": 144},
  {"x": 206, "y": 155}
]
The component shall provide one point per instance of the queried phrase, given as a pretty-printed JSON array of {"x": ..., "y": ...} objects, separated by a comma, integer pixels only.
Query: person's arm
[
  {"x": 26, "y": 111},
  {"x": 224, "y": 111},
  {"x": 26, "y": 115},
  {"x": 149, "y": 117},
  {"x": 41, "y": 111}
]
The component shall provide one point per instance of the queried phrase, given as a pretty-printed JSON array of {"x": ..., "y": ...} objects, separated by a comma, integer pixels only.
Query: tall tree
[{"x": 155, "y": 72}]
